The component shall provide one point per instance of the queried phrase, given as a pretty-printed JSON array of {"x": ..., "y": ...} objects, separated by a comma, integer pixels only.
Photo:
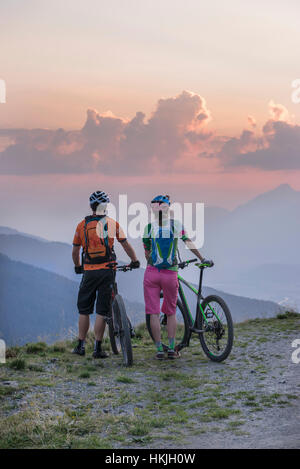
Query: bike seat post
[
  {"x": 115, "y": 286},
  {"x": 200, "y": 281}
]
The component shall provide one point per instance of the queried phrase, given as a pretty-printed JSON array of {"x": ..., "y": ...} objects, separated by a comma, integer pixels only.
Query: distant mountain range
[
  {"x": 265, "y": 230},
  {"x": 52, "y": 256},
  {"x": 11, "y": 231},
  {"x": 34, "y": 303}
]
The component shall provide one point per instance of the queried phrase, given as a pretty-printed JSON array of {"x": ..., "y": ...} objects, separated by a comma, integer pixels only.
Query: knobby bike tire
[
  {"x": 121, "y": 325},
  {"x": 201, "y": 325}
]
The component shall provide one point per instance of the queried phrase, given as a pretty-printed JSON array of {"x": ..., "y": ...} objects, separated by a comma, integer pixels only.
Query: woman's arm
[
  {"x": 129, "y": 250},
  {"x": 193, "y": 248}
]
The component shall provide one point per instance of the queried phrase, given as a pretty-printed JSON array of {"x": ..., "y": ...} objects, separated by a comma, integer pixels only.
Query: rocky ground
[{"x": 53, "y": 399}]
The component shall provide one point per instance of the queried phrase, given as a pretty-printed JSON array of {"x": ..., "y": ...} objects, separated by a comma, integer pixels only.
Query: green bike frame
[{"x": 199, "y": 310}]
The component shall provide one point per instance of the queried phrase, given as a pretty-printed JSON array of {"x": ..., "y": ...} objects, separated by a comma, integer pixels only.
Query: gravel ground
[{"x": 249, "y": 401}]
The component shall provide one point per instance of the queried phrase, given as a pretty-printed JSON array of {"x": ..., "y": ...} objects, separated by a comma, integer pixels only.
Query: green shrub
[
  {"x": 17, "y": 364},
  {"x": 36, "y": 347},
  {"x": 13, "y": 352},
  {"x": 288, "y": 315}
]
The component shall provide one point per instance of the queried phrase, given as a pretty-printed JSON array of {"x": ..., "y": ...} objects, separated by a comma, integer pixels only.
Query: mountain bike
[
  {"x": 119, "y": 325},
  {"x": 212, "y": 322}
]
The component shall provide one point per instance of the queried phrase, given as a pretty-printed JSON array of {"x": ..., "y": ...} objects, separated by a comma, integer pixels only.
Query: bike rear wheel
[
  {"x": 119, "y": 331},
  {"x": 217, "y": 338},
  {"x": 182, "y": 330}
]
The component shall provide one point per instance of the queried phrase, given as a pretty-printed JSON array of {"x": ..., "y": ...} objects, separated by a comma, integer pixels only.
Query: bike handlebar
[
  {"x": 184, "y": 264},
  {"x": 123, "y": 268}
]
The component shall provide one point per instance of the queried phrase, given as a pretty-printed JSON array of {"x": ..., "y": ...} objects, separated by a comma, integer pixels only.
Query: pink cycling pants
[{"x": 156, "y": 281}]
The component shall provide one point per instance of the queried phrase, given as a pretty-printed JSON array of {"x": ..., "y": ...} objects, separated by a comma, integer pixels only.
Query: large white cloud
[
  {"x": 109, "y": 144},
  {"x": 173, "y": 139}
]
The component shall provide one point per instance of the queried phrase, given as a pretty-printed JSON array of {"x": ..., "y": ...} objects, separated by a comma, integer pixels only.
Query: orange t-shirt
[{"x": 114, "y": 231}]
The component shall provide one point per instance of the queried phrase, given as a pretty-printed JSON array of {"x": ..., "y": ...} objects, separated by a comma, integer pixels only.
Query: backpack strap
[
  {"x": 173, "y": 232},
  {"x": 149, "y": 229},
  {"x": 105, "y": 233},
  {"x": 172, "y": 225}
]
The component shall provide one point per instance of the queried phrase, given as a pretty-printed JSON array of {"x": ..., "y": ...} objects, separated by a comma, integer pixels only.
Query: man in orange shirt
[{"x": 95, "y": 235}]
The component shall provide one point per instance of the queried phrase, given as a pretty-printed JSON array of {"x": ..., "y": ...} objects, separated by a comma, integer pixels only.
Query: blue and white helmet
[
  {"x": 161, "y": 199},
  {"x": 99, "y": 197},
  {"x": 160, "y": 203}
]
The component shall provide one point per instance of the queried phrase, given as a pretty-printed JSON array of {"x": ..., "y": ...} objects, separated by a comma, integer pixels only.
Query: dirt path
[
  {"x": 249, "y": 401},
  {"x": 271, "y": 424}
]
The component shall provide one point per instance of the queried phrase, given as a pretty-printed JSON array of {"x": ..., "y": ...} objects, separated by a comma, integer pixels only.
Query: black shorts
[{"x": 95, "y": 284}]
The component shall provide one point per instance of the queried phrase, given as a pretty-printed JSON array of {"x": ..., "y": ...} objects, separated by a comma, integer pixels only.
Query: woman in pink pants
[{"x": 160, "y": 243}]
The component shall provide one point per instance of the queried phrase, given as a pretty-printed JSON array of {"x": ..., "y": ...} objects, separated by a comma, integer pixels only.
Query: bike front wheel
[
  {"x": 216, "y": 323},
  {"x": 119, "y": 332},
  {"x": 114, "y": 340}
]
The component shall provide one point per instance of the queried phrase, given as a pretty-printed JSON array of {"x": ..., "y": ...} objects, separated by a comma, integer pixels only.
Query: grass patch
[
  {"x": 43, "y": 382},
  {"x": 6, "y": 391},
  {"x": 90, "y": 442},
  {"x": 235, "y": 424},
  {"x": 30, "y": 429},
  {"x": 203, "y": 403},
  {"x": 139, "y": 428},
  {"x": 36, "y": 368},
  {"x": 125, "y": 379},
  {"x": 58, "y": 348},
  {"x": 218, "y": 413}
]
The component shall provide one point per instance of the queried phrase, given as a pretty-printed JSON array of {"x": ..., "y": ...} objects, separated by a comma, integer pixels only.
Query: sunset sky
[{"x": 188, "y": 97}]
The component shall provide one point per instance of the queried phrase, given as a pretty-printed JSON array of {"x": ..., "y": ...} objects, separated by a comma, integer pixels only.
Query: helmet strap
[{"x": 161, "y": 215}]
